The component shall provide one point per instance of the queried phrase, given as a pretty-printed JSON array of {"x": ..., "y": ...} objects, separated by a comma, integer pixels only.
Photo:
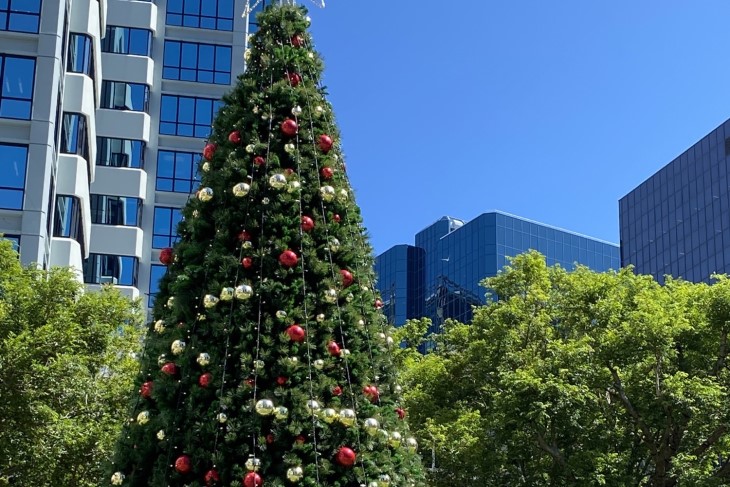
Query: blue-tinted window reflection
[
  {"x": 119, "y": 152},
  {"x": 127, "y": 40},
  {"x": 204, "y": 14},
  {"x": 74, "y": 138},
  {"x": 116, "y": 210},
  {"x": 203, "y": 63},
  {"x": 157, "y": 271},
  {"x": 14, "y": 240},
  {"x": 20, "y": 15},
  {"x": 111, "y": 269},
  {"x": 13, "y": 163},
  {"x": 177, "y": 171},
  {"x": 17, "y": 75},
  {"x": 80, "y": 55},
  {"x": 67, "y": 221},
  {"x": 187, "y": 116},
  {"x": 119, "y": 95},
  {"x": 164, "y": 233}
]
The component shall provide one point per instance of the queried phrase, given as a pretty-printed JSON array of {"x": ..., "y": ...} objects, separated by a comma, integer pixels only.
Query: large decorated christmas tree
[{"x": 268, "y": 362}]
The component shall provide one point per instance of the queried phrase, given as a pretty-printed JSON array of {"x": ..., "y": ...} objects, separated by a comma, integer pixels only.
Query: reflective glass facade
[
  {"x": 677, "y": 222},
  {"x": 451, "y": 257}
]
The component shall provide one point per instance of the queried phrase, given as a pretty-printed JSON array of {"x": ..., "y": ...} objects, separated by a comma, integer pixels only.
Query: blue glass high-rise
[{"x": 439, "y": 277}]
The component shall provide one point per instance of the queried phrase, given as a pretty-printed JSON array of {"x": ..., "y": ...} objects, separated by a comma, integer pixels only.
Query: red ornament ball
[
  {"x": 371, "y": 392},
  {"x": 166, "y": 256},
  {"x": 307, "y": 224},
  {"x": 300, "y": 439},
  {"x": 346, "y": 457},
  {"x": 259, "y": 161},
  {"x": 209, "y": 151},
  {"x": 212, "y": 478},
  {"x": 235, "y": 137},
  {"x": 281, "y": 380},
  {"x": 294, "y": 79},
  {"x": 250, "y": 382},
  {"x": 337, "y": 391},
  {"x": 324, "y": 143},
  {"x": 336, "y": 218},
  {"x": 270, "y": 438},
  {"x": 205, "y": 379},
  {"x": 146, "y": 389},
  {"x": 289, "y": 127},
  {"x": 183, "y": 464},
  {"x": 288, "y": 258},
  {"x": 169, "y": 368},
  {"x": 347, "y": 278},
  {"x": 247, "y": 262},
  {"x": 244, "y": 236},
  {"x": 296, "y": 333},
  {"x": 297, "y": 40},
  {"x": 327, "y": 172},
  {"x": 400, "y": 412},
  {"x": 252, "y": 479},
  {"x": 378, "y": 304},
  {"x": 333, "y": 348}
]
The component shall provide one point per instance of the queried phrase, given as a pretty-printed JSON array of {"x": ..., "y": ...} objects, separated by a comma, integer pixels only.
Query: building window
[
  {"x": 13, "y": 163},
  {"x": 119, "y": 152},
  {"x": 187, "y": 116},
  {"x": 80, "y": 55},
  {"x": 17, "y": 75},
  {"x": 164, "y": 229},
  {"x": 177, "y": 171},
  {"x": 202, "y": 14},
  {"x": 74, "y": 137},
  {"x": 156, "y": 273},
  {"x": 20, "y": 15},
  {"x": 119, "y": 95},
  {"x": 203, "y": 63},
  {"x": 116, "y": 210},
  {"x": 253, "y": 25},
  {"x": 127, "y": 40},
  {"x": 13, "y": 239},
  {"x": 111, "y": 269},
  {"x": 67, "y": 221}
]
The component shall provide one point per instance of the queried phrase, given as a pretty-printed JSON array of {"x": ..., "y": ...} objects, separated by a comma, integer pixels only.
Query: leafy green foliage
[
  {"x": 579, "y": 378},
  {"x": 248, "y": 354},
  {"x": 67, "y": 361}
]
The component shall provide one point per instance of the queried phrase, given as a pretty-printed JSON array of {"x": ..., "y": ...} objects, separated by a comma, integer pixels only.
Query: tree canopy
[
  {"x": 577, "y": 378},
  {"x": 67, "y": 361}
]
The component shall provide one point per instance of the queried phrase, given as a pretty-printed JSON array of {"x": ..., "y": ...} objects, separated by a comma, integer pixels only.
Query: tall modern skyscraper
[
  {"x": 677, "y": 222},
  {"x": 104, "y": 109},
  {"x": 439, "y": 277}
]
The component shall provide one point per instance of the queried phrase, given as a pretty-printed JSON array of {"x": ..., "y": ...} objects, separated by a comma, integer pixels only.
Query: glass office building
[
  {"x": 677, "y": 222},
  {"x": 439, "y": 276}
]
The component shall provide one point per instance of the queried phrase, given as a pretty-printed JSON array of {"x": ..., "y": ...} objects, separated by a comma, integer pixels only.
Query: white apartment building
[{"x": 105, "y": 107}]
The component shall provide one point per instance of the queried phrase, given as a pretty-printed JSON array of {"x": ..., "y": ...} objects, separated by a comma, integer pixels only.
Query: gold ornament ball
[
  {"x": 371, "y": 426},
  {"x": 247, "y": 54},
  {"x": 294, "y": 187},
  {"x": 295, "y": 474},
  {"x": 226, "y": 294},
  {"x": 241, "y": 189},
  {"x": 143, "y": 417},
  {"x": 258, "y": 364},
  {"x": 330, "y": 295},
  {"x": 118, "y": 478},
  {"x": 411, "y": 444},
  {"x": 265, "y": 407},
  {"x": 349, "y": 297},
  {"x": 277, "y": 181},
  {"x": 296, "y": 111},
  {"x": 313, "y": 406},
  {"x": 281, "y": 413},
  {"x": 334, "y": 245},
  {"x": 177, "y": 347},
  {"x": 318, "y": 110},
  {"x": 343, "y": 196},
  {"x": 395, "y": 439},
  {"x": 281, "y": 314},
  {"x": 160, "y": 326},
  {"x": 360, "y": 322},
  {"x": 209, "y": 301},
  {"x": 247, "y": 244},
  {"x": 321, "y": 317},
  {"x": 170, "y": 301},
  {"x": 397, "y": 389},
  {"x": 292, "y": 361},
  {"x": 319, "y": 364},
  {"x": 310, "y": 55},
  {"x": 327, "y": 192},
  {"x": 250, "y": 148},
  {"x": 205, "y": 194},
  {"x": 203, "y": 359},
  {"x": 161, "y": 435},
  {"x": 389, "y": 341},
  {"x": 222, "y": 418},
  {"x": 348, "y": 417},
  {"x": 244, "y": 292},
  {"x": 374, "y": 483},
  {"x": 384, "y": 480},
  {"x": 290, "y": 148},
  {"x": 162, "y": 359},
  {"x": 329, "y": 415},
  {"x": 206, "y": 166},
  {"x": 344, "y": 352},
  {"x": 381, "y": 336},
  {"x": 253, "y": 464}
]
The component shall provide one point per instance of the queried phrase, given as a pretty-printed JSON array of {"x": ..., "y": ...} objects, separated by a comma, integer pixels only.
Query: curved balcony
[{"x": 130, "y": 13}]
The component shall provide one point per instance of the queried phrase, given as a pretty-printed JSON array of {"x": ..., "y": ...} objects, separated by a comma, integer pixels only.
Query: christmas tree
[{"x": 268, "y": 362}]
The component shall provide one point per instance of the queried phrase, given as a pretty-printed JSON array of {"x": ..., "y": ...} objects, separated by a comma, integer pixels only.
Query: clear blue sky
[{"x": 548, "y": 110}]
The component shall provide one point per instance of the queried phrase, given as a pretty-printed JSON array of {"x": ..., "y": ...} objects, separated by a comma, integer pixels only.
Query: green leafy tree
[
  {"x": 267, "y": 362},
  {"x": 579, "y": 378},
  {"x": 67, "y": 361}
]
